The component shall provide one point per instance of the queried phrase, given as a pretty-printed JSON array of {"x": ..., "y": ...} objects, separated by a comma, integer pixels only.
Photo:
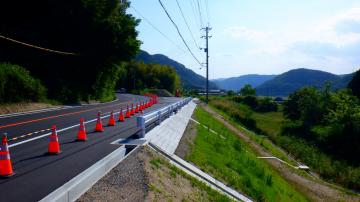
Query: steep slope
[
  {"x": 288, "y": 82},
  {"x": 236, "y": 83},
  {"x": 189, "y": 78}
]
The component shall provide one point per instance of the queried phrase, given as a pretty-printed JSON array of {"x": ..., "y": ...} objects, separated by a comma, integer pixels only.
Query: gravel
[{"x": 126, "y": 182}]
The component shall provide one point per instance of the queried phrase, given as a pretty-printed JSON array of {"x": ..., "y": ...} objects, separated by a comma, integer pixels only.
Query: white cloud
[{"x": 276, "y": 42}]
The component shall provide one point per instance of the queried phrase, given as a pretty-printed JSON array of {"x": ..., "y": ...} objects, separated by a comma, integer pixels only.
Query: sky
[{"x": 254, "y": 36}]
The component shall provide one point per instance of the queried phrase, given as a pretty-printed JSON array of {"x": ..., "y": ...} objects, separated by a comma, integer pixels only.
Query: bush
[
  {"x": 239, "y": 112},
  {"x": 17, "y": 85},
  {"x": 257, "y": 104},
  {"x": 266, "y": 105}
]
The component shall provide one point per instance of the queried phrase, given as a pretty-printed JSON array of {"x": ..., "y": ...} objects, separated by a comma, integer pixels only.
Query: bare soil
[
  {"x": 23, "y": 107},
  {"x": 144, "y": 176},
  {"x": 126, "y": 182},
  {"x": 186, "y": 142},
  {"x": 314, "y": 190}
]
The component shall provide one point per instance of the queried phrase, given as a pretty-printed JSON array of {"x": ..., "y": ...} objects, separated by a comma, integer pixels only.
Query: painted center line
[{"x": 56, "y": 116}]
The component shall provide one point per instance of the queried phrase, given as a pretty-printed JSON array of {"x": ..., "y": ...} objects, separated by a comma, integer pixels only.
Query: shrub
[{"x": 17, "y": 85}]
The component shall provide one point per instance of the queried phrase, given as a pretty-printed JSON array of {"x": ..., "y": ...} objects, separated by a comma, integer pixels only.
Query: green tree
[
  {"x": 247, "y": 90},
  {"x": 230, "y": 93},
  {"x": 354, "y": 84},
  {"x": 99, "y": 32}
]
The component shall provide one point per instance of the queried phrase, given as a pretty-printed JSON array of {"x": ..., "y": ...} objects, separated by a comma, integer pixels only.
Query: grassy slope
[
  {"x": 225, "y": 157},
  {"x": 169, "y": 178},
  {"x": 270, "y": 123}
]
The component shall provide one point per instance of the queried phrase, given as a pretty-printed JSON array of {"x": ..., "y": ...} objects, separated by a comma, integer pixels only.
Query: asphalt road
[{"x": 38, "y": 174}]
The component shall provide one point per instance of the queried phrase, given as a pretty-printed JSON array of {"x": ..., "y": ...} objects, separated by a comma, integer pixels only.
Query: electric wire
[
  {"x": 177, "y": 28},
  {"x": 187, "y": 25},
  {"x": 200, "y": 15},
  {"x": 37, "y": 47},
  {"x": 158, "y": 30}
]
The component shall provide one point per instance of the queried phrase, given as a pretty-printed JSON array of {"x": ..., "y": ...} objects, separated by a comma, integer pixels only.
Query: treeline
[
  {"x": 323, "y": 129},
  {"x": 138, "y": 75},
  {"x": 98, "y": 35}
]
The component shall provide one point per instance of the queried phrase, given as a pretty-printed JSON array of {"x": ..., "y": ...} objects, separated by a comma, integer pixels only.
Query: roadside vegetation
[
  {"x": 318, "y": 127},
  {"x": 225, "y": 157},
  {"x": 17, "y": 85},
  {"x": 138, "y": 77},
  {"x": 168, "y": 177}
]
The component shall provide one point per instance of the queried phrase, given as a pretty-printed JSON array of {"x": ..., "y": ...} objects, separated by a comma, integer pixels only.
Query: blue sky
[{"x": 256, "y": 36}]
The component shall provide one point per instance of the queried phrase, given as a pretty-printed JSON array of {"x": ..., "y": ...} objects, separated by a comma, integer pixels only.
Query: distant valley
[{"x": 286, "y": 83}]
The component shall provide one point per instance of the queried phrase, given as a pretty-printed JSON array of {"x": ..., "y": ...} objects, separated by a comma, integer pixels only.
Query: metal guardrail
[{"x": 159, "y": 115}]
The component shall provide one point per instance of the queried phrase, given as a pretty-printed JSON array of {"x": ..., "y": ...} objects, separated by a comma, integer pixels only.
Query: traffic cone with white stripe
[
  {"x": 82, "y": 131},
  {"x": 99, "y": 126},
  {"x": 5, "y": 161},
  {"x": 142, "y": 106},
  {"x": 137, "y": 108},
  {"x": 54, "y": 146},
  {"x": 127, "y": 112},
  {"x": 132, "y": 111},
  {"x": 121, "y": 115},
  {"x": 111, "y": 119}
]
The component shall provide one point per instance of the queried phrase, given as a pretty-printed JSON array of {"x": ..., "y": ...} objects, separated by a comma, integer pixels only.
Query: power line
[
  {"x": 37, "y": 47},
  {"x": 200, "y": 15},
  {"x": 168, "y": 15},
  {"x": 153, "y": 26},
  {"x": 187, "y": 25},
  {"x": 207, "y": 12},
  {"x": 193, "y": 8}
]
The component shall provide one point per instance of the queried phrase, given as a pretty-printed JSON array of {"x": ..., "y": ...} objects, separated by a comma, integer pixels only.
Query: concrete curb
[{"x": 77, "y": 186}]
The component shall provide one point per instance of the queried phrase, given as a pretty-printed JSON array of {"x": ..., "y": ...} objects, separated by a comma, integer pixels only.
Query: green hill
[
  {"x": 288, "y": 82},
  {"x": 189, "y": 79},
  {"x": 236, "y": 83}
]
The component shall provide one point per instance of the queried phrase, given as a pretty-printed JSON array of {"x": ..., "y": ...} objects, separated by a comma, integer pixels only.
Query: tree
[
  {"x": 99, "y": 32},
  {"x": 354, "y": 84},
  {"x": 247, "y": 90},
  {"x": 230, "y": 93}
]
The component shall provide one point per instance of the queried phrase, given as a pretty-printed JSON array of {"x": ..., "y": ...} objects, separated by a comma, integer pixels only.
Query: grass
[
  {"x": 269, "y": 122},
  {"x": 159, "y": 163},
  {"x": 265, "y": 143},
  {"x": 231, "y": 161}
]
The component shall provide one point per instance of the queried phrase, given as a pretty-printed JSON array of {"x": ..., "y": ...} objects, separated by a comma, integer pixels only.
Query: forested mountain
[
  {"x": 189, "y": 79},
  {"x": 75, "y": 48},
  {"x": 236, "y": 83},
  {"x": 288, "y": 82}
]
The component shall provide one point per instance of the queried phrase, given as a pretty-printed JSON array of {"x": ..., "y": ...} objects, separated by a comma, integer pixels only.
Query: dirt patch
[
  {"x": 314, "y": 190},
  {"x": 126, "y": 182},
  {"x": 23, "y": 107},
  {"x": 186, "y": 142},
  {"x": 147, "y": 176}
]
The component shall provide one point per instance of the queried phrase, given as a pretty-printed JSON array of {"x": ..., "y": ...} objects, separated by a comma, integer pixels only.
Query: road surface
[{"x": 38, "y": 174}]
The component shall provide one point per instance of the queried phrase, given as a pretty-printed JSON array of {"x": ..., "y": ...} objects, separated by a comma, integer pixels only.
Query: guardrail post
[{"x": 141, "y": 125}]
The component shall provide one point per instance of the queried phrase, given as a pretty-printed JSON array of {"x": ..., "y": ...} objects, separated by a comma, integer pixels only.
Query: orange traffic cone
[
  {"x": 82, "y": 131},
  {"x": 54, "y": 146},
  {"x": 137, "y": 108},
  {"x": 132, "y": 111},
  {"x": 5, "y": 161},
  {"x": 121, "y": 115},
  {"x": 142, "y": 106},
  {"x": 99, "y": 126},
  {"x": 111, "y": 119},
  {"x": 128, "y": 115}
]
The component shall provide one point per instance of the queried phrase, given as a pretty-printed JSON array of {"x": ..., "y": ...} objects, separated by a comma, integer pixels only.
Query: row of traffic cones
[{"x": 6, "y": 169}]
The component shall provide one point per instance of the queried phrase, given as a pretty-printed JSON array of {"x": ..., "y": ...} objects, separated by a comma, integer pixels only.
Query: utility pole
[{"x": 207, "y": 29}]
